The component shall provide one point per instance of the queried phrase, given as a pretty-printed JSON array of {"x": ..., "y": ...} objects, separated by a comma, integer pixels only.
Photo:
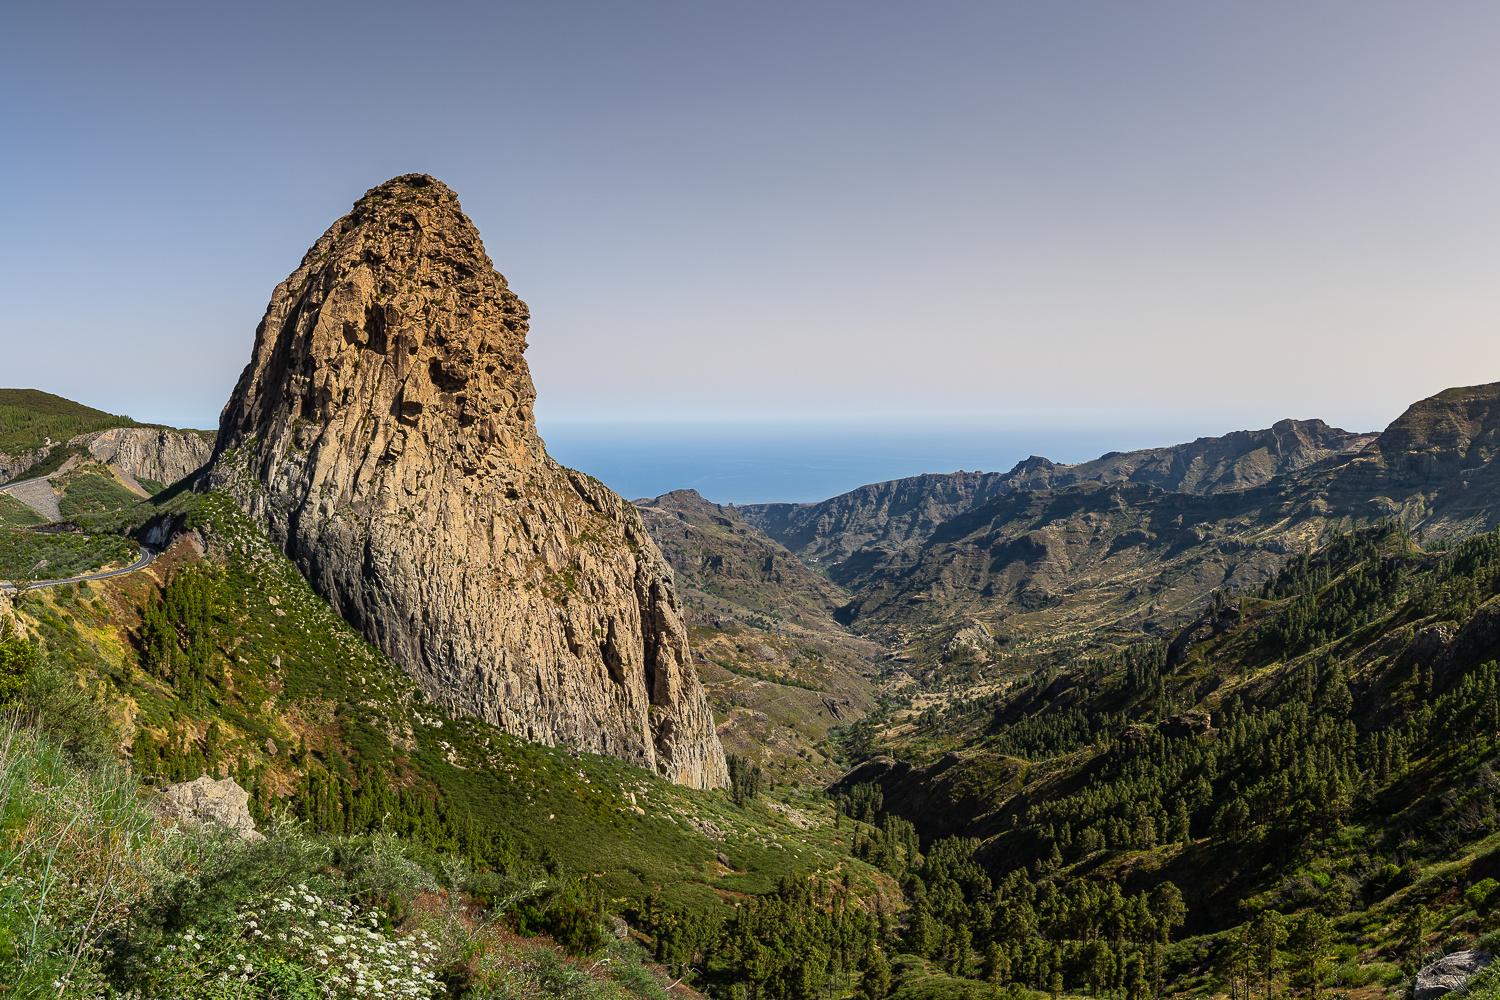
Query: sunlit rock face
[{"x": 383, "y": 435}]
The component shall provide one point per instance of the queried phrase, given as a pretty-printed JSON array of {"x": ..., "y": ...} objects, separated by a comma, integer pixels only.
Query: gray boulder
[
  {"x": 1449, "y": 973},
  {"x": 204, "y": 799}
]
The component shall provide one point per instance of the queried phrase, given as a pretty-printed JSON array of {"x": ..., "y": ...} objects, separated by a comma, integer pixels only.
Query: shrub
[
  {"x": 1484, "y": 896},
  {"x": 53, "y": 701},
  {"x": 17, "y": 658},
  {"x": 576, "y": 929}
]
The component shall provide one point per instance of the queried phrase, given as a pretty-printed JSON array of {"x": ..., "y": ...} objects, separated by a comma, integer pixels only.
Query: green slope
[
  {"x": 318, "y": 723},
  {"x": 28, "y": 417},
  {"x": 1325, "y": 744}
]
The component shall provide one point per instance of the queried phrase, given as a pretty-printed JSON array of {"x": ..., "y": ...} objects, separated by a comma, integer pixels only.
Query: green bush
[
  {"x": 1484, "y": 896},
  {"x": 17, "y": 658},
  {"x": 576, "y": 929},
  {"x": 53, "y": 701},
  {"x": 65, "y": 555}
]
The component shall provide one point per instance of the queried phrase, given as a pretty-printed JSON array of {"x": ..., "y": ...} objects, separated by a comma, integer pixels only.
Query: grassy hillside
[
  {"x": 92, "y": 488},
  {"x": 15, "y": 514},
  {"x": 101, "y": 895},
  {"x": 1323, "y": 748},
  {"x": 28, "y": 417},
  {"x": 219, "y": 659}
]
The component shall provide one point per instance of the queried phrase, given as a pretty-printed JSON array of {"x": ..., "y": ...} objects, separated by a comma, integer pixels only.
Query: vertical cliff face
[
  {"x": 148, "y": 452},
  {"x": 383, "y": 435}
]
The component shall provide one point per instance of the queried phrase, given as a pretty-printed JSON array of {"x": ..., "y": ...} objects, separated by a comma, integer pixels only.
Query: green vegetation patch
[
  {"x": 15, "y": 514},
  {"x": 93, "y": 493},
  {"x": 28, "y": 417},
  {"x": 56, "y": 456},
  {"x": 30, "y": 555}
]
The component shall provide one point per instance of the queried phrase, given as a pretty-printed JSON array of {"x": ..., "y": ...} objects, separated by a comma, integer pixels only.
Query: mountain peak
[
  {"x": 1444, "y": 434},
  {"x": 383, "y": 434}
]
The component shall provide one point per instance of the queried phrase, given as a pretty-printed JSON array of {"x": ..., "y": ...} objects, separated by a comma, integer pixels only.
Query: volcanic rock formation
[
  {"x": 383, "y": 435},
  {"x": 148, "y": 452}
]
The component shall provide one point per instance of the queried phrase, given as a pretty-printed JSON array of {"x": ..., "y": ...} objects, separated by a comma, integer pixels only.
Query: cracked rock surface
[{"x": 383, "y": 435}]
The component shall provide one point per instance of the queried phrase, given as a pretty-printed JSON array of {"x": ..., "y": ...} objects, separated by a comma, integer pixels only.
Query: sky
[{"x": 1083, "y": 222}]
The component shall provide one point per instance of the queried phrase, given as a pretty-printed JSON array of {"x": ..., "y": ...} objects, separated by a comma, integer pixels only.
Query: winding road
[{"x": 145, "y": 560}]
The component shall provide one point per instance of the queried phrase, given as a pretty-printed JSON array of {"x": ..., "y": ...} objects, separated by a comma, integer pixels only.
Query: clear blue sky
[{"x": 1187, "y": 215}]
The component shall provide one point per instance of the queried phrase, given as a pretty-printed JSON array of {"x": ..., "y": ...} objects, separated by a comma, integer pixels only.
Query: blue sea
[{"x": 745, "y": 462}]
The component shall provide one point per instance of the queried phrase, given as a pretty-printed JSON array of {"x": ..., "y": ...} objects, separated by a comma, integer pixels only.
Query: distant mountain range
[{"x": 1127, "y": 541}]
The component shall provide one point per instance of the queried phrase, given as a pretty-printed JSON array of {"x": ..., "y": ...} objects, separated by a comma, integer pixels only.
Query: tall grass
[
  {"x": 76, "y": 845},
  {"x": 100, "y": 897}
]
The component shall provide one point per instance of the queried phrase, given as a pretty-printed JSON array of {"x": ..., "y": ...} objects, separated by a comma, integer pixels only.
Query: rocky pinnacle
[{"x": 383, "y": 435}]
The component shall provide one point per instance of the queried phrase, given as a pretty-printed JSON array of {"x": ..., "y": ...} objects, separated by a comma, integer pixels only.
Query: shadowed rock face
[
  {"x": 715, "y": 551},
  {"x": 383, "y": 435}
]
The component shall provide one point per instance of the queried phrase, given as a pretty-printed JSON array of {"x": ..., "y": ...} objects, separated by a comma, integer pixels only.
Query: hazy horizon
[
  {"x": 741, "y": 462},
  {"x": 750, "y": 460},
  {"x": 1162, "y": 215}
]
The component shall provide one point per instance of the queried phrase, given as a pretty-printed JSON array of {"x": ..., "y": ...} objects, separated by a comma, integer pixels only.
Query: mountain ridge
[
  {"x": 1128, "y": 555},
  {"x": 900, "y": 512}
]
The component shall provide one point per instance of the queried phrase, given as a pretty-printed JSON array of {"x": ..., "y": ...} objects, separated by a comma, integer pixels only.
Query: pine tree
[
  {"x": 1266, "y": 936},
  {"x": 1309, "y": 941},
  {"x": 876, "y": 981}
]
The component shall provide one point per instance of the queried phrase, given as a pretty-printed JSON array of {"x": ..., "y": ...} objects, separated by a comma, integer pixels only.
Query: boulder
[
  {"x": 205, "y": 799},
  {"x": 1449, "y": 973}
]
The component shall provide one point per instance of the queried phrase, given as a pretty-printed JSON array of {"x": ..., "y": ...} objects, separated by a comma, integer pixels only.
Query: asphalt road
[
  {"x": 23, "y": 482},
  {"x": 145, "y": 560}
]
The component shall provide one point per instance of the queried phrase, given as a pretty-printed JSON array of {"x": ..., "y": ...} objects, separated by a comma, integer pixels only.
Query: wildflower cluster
[{"x": 341, "y": 945}]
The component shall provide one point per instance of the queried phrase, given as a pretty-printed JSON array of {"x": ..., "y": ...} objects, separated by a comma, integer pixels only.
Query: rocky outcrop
[
  {"x": 880, "y": 517},
  {"x": 1449, "y": 973},
  {"x": 148, "y": 452},
  {"x": 1443, "y": 436},
  {"x": 12, "y": 466},
  {"x": 383, "y": 435},
  {"x": 205, "y": 799}
]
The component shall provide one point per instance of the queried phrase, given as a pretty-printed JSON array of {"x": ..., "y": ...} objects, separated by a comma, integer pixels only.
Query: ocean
[{"x": 744, "y": 462}]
